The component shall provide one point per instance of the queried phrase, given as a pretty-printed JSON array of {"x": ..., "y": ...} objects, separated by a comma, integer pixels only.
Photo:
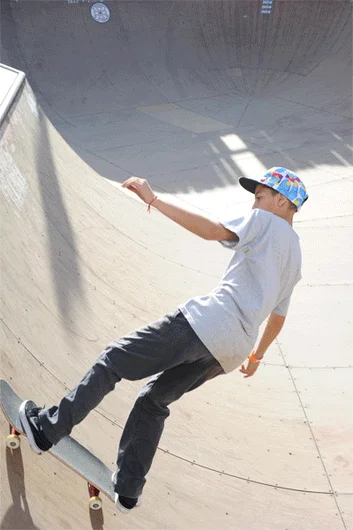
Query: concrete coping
[{"x": 10, "y": 82}]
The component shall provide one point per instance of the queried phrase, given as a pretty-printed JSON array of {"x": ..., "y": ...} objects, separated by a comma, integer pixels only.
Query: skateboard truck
[
  {"x": 95, "y": 502},
  {"x": 68, "y": 451},
  {"x": 13, "y": 441}
]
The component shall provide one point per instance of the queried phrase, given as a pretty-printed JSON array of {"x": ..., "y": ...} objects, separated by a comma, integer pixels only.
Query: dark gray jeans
[{"x": 167, "y": 349}]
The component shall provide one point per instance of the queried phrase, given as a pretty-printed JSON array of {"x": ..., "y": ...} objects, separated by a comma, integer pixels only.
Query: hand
[
  {"x": 249, "y": 369},
  {"x": 140, "y": 187}
]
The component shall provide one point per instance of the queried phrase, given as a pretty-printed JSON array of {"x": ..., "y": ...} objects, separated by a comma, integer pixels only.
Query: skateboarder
[{"x": 205, "y": 337}]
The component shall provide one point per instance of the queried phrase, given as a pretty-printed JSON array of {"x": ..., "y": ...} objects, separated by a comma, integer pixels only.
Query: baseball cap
[{"x": 282, "y": 180}]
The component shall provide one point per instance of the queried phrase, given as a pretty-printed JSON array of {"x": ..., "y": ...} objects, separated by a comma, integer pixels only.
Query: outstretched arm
[
  {"x": 198, "y": 223},
  {"x": 272, "y": 329}
]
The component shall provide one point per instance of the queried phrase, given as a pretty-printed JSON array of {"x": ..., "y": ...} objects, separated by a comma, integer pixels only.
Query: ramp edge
[{"x": 11, "y": 81}]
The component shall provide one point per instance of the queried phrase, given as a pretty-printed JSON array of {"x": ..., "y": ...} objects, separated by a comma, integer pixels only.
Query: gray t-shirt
[{"x": 259, "y": 280}]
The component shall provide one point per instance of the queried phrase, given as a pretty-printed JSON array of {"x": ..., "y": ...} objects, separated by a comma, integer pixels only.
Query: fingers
[
  {"x": 141, "y": 187},
  {"x": 248, "y": 371},
  {"x": 131, "y": 180},
  {"x": 131, "y": 187},
  {"x": 133, "y": 184},
  {"x": 129, "y": 183},
  {"x": 136, "y": 184},
  {"x": 126, "y": 183}
]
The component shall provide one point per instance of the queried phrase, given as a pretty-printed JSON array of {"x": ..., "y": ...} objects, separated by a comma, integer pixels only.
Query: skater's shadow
[{"x": 17, "y": 515}]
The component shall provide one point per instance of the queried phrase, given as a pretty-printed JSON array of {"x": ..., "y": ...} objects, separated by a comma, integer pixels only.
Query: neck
[{"x": 286, "y": 217}]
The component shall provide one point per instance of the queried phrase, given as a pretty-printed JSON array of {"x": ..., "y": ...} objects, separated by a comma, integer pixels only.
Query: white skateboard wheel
[
  {"x": 95, "y": 503},
  {"x": 13, "y": 441}
]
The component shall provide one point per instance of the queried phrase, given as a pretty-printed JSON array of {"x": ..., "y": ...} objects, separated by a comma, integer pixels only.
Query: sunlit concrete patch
[
  {"x": 221, "y": 202},
  {"x": 325, "y": 336},
  {"x": 318, "y": 270},
  {"x": 186, "y": 119},
  {"x": 345, "y": 504},
  {"x": 246, "y": 162},
  {"x": 330, "y": 417},
  {"x": 13, "y": 186}
]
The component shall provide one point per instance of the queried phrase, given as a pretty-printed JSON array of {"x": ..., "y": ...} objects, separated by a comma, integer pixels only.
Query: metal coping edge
[{"x": 12, "y": 92}]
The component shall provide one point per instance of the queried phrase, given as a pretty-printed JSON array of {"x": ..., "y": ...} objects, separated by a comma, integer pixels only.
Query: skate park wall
[{"x": 83, "y": 263}]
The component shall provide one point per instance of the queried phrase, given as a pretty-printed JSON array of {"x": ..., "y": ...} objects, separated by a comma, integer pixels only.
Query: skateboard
[{"x": 70, "y": 452}]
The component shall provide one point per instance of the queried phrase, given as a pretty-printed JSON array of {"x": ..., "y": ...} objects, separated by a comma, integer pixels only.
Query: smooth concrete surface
[{"x": 190, "y": 95}]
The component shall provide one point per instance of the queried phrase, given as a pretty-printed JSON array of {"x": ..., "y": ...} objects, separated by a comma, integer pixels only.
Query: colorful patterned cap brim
[{"x": 282, "y": 180}]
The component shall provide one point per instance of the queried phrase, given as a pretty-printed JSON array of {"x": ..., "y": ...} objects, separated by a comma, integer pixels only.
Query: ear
[{"x": 281, "y": 200}]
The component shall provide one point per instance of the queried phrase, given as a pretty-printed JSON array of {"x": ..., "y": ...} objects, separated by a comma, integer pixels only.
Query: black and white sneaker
[
  {"x": 125, "y": 504},
  {"x": 28, "y": 413}
]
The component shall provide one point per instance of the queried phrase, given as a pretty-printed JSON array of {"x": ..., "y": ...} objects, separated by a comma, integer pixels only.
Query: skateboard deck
[{"x": 70, "y": 452}]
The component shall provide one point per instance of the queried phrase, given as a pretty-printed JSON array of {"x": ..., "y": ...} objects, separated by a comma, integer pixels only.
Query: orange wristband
[
  {"x": 149, "y": 206},
  {"x": 253, "y": 358}
]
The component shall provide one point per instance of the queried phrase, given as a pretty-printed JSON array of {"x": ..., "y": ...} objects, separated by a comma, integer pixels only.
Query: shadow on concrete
[
  {"x": 54, "y": 210},
  {"x": 18, "y": 515}
]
